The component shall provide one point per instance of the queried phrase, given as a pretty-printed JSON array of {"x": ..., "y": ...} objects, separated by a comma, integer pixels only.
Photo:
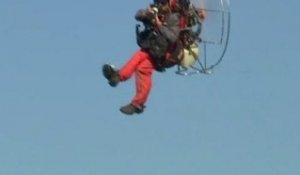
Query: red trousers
[{"x": 141, "y": 64}]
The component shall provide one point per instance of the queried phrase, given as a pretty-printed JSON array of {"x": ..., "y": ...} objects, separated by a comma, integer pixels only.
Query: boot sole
[{"x": 107, "y": 71}]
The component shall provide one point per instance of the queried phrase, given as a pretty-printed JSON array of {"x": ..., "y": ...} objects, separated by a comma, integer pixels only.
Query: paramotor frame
[{"x": 203, "y": 63}]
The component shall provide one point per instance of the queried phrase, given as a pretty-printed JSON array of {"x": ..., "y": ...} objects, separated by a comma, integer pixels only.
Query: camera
[{"x": 148, "y": 16}]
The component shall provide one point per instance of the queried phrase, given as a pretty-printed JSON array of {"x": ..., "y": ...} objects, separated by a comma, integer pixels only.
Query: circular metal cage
[{"x": 213, "y": 39}]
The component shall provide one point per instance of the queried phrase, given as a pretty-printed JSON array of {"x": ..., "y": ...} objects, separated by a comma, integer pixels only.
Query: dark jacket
[{"x": 159, "y": 41}]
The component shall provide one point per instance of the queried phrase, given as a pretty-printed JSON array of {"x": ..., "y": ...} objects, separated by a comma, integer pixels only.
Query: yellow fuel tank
[{"x": 190, "y": 56}]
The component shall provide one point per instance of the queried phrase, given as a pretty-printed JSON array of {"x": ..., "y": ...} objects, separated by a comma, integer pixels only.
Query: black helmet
[
  {"x": 161, "y": 1},
  {"x": 185, "y": 4}
]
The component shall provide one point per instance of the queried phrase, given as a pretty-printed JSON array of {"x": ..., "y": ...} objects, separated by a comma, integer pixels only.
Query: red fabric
[
  {"x": 141, "y": 64},
  {"x": 182, "y": 22},
  {"x": 173, "y": 3}
]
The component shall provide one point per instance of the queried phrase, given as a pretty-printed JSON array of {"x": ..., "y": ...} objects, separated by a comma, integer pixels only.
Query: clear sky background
[{"x": 58, "y": 116}]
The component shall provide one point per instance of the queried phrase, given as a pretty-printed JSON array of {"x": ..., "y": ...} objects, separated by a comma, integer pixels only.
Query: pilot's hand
[
  {"x": 157, "y": 21},
  {"x": 202, "y": 14}
]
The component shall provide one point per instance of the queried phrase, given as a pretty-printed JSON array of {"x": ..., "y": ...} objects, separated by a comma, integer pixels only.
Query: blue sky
[{"x": 58, "y": 115}]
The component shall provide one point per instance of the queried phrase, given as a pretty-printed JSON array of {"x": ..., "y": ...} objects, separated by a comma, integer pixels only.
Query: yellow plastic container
[{"x": 190, "y": 56}]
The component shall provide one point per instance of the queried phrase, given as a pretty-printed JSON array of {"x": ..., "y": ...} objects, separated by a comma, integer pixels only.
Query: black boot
[
  {"x": 111, "y": 74},
  {"x": 131, "y": 109}
]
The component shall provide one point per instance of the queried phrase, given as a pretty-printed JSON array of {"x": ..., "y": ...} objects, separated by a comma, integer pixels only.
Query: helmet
[
  {"x": 176, "y": 5},
  {"x": 161, "y": 1},
  {"x": 179, "y": 5},
  {"x": 185, "y": 4}
]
